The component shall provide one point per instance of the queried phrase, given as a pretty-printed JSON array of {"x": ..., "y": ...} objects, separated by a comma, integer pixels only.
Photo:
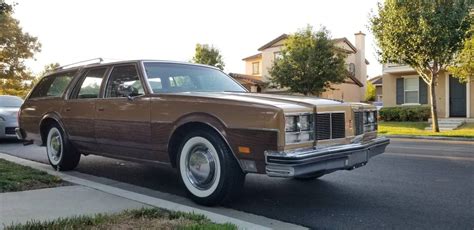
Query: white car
[{"x": 9, "y": 107}]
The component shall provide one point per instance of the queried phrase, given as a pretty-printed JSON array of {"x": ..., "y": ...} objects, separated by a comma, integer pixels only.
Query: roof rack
[{"x": 99, "y": 60}]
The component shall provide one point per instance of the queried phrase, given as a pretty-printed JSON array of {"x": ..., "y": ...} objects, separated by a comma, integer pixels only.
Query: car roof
[{"x": 107, "y": 63}]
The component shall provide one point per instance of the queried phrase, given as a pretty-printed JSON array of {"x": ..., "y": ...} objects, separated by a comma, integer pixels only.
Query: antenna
[{"x": 99, "y": 60}]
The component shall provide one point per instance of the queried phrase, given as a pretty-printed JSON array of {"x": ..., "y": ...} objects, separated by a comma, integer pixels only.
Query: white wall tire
[
  {"x": 186, "y": 167},
  {"x": 207, "y": 168},
  {"x": 54, "y": 146},
  {"x": 61, "y": 154}
]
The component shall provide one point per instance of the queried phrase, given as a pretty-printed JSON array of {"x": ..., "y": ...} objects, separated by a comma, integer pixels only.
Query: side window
[
  {"x": 52, "y": 86},
  {"x": 124, "y": 78},
  {"x": 90, "y": 85}
]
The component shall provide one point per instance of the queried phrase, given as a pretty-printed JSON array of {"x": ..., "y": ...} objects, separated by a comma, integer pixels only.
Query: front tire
[
  {"x": 208, "y": 169},
  {"x": 61, "y": 154}
]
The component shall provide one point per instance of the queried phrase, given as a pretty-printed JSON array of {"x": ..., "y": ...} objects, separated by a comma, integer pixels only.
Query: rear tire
[
  {"x": 61, "y": 154},
  {"x": 207, "y": 169}
]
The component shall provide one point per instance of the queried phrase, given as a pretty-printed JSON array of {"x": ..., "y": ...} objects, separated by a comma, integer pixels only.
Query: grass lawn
[
  {"x": 147, "y": 218},
  {"x": 14, "y": 177},
  {"x": 418, "y": 129}
]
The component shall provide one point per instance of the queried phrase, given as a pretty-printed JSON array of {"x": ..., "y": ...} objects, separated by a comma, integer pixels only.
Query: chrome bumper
[
  {"x": 19, "y": 134},
  {"x": 328, "y": 159}
]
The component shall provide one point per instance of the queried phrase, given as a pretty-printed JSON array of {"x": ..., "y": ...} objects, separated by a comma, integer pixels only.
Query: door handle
[
  {"x": 68, "y": 109},
  {"x": 100, "y": 109}
]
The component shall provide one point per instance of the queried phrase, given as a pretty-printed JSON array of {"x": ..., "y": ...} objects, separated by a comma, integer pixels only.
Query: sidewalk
[
  {"x": 53, "y": 203},
  {"x": 90, "y": 195}
]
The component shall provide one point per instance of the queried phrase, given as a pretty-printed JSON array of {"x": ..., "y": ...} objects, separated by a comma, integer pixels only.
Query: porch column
[
  {"x": 446, "y": 96},
  {"x": 468, "y": 98}
]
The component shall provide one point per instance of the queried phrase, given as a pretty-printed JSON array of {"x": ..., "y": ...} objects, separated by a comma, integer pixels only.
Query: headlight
[
  {"x": 291, "y": 123},
  {"x": 304, "y": 123},
  {"x": 371, "y": 117},
  {"x": 299, "y": 128},
  {"x": 370, "y": 121}
]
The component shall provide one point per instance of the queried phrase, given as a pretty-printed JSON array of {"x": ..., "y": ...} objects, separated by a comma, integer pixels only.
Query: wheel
[
  {"x": 61, "y": 154},
  {"x": 310, "y": 177},
  {"x": 207, "y": 169}
]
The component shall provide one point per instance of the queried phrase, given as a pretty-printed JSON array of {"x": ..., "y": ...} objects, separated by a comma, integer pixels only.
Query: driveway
[{"x": 415, "y": 184}]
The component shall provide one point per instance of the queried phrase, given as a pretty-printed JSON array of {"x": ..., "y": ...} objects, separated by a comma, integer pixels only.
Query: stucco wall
[
  {"x": 389, "y": 92},
  {"x": 346, "y": 92},
  {"x": 248, "y": 66}
]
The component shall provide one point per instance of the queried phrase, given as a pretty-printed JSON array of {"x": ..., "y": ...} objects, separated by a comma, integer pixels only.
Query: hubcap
[
  {"x": 54, "y": 146},
  {"x": 200, "y": 167}
]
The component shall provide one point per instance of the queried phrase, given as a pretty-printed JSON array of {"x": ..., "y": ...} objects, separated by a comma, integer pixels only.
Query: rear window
[{"x": 53, "y": 86}]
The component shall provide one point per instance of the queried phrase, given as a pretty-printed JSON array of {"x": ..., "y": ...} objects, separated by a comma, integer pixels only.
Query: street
[{"x": 415, "y": 184}]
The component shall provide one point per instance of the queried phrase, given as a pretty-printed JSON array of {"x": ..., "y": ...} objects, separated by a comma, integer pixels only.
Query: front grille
[
  {"x": 10, "y": 130},
  {"x": 359, "y": 123},
  {"x": 330, "y": 126},
  {"x": 338, "y": 125},
  {"x": 323, "y": 126}
]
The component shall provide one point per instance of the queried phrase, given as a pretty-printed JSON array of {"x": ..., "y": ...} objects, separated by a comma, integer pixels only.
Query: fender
[
  {"x": 215, "y": 123},
  {"x": 56, "y": 117}
]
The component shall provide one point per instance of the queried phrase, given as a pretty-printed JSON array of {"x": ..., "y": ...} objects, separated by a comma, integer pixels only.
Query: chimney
[{"x": 361, "y": 66}]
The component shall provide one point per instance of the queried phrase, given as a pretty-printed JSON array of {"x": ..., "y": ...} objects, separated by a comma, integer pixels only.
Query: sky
[{"x": 71, "y": 31}]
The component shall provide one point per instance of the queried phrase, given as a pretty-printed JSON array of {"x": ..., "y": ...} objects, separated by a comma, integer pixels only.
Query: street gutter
[
  {"x": 442, "y": 138},
  {"x": 240, "y": 219}
]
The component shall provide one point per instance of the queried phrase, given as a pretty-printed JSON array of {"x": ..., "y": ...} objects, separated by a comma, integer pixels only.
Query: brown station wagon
[{"x": 197, "y": 119}]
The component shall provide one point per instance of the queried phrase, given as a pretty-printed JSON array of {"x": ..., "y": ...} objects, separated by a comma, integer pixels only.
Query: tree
[
  {"x": 463, "y": 65},
  {"x": 15, "y": 47},
  {"x": 208, "y": 55},
  {"x": 309, "y": 63},
  {"x": 422, "y": 34},
  {"x": 370, "y": 92}
]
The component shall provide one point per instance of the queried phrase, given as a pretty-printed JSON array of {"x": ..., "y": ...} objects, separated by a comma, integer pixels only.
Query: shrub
[{"x": 405, "y": 113}]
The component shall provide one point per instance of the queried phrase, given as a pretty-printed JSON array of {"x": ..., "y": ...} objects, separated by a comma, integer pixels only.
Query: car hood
[{"x": 285, "y": 102}]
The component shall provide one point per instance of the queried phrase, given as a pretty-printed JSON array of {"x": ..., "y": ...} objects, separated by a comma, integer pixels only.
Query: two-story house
[
  {"x": 257, "y": 77},
  {"x": 403, "y": 86}
]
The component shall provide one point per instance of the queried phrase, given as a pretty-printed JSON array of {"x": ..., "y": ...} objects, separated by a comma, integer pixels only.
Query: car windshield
[
  {"x": 8, "y": 101},
  {"x": 175, "y": 78}
]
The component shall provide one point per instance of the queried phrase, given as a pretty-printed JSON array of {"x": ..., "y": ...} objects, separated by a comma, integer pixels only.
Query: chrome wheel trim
[
  {"x": 54, "y": 146},
  {"x": 200, "y": 166}
]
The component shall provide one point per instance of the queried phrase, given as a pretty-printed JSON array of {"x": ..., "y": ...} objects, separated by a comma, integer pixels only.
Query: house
[
  {"x": 377, "y": 82},
  {"x": 403, "y": 86},
  {"x": 353, "y": 89}
]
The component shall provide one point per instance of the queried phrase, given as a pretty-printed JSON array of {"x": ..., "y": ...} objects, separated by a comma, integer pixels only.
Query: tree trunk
[{"x": 434, "y": 112}]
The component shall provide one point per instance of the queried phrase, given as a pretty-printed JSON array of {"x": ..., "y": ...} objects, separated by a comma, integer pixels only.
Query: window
[
  {"x": 255, "y": 68},
  {"x": 170, "y": 78},
  {"x": 277, "y": 55},
  {"x": 90, "y": 85},
  {"x": 124, "y": 78},
  {"x": 411, "y": 90},
  {"x": 52, "y": 86}
]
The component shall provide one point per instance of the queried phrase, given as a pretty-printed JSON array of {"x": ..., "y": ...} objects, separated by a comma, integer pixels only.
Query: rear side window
[
  {"x": 124, "y": 77},
  {"x": 52, "y": 86},
  {"x": 90, "y": 84}
]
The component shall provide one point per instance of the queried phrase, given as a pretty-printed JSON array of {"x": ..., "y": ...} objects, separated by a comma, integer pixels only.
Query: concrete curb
[
  {"x": 431, "y": 138},
  {"x": 260, "y": 221}
]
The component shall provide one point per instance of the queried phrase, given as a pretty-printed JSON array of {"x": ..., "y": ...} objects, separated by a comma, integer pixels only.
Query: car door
[
  {"x": 122, "y": 125},
  {"x": 79, "y": 110}
]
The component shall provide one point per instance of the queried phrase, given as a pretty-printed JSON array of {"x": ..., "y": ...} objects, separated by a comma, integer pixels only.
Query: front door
[
  {"x": 457, "y": 98},
  {"x": 122, "y": 125}
]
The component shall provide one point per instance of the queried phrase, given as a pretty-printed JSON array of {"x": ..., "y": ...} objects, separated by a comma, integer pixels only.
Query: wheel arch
[
  {"x": 192, "y": 122},
  {"x": 46, "y": 121}
]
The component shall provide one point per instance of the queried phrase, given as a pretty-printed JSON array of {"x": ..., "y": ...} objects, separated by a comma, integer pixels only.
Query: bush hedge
[{"x": 405, "y": 113}]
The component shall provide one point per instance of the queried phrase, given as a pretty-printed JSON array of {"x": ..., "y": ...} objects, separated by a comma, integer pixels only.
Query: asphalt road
[{"x": 416, "y": 184}]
